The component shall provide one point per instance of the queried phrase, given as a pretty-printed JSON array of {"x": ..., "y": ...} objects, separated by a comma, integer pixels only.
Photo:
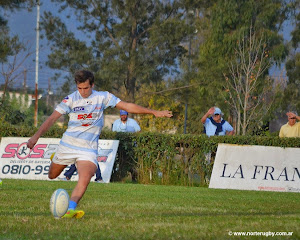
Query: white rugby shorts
[{"x": 68, "y": 156}]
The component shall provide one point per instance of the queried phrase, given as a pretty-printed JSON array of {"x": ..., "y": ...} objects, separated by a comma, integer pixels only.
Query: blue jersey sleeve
[
  {"x": 110, "y": 100},
  {"x": 65, "y": 106}
]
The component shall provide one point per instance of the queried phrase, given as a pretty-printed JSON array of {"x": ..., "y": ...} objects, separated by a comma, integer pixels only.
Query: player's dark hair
[{"x": 83, "y": 75}]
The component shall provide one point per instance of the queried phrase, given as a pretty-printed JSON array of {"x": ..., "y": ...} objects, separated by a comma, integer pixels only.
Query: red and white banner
[{"x": 18, "y": 162}]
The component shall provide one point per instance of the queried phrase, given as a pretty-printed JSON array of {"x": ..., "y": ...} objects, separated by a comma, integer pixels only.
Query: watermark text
[{"x": 266, "y": 234}]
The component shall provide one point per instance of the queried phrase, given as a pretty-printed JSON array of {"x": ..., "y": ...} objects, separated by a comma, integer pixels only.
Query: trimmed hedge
[{"x": 170, "y": 159}]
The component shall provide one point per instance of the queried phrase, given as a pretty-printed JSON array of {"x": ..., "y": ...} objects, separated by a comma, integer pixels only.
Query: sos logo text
[{"x": 21, "y": 151}]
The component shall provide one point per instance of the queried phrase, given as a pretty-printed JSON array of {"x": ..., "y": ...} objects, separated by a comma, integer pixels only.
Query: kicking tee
[{"x": 85, "y": 119}]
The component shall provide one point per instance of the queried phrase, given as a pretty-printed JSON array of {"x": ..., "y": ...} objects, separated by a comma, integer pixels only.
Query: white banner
[
  {"x": 18, "y": 162},
  {"x": 256, "y": 168}
]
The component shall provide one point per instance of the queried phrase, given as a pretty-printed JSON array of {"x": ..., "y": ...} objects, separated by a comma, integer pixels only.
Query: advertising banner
[
  {"x": 18, "y": 162},
  {"x": 256, "y": 168}
]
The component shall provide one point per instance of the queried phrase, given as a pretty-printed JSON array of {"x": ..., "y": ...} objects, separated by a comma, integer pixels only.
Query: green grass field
[{"x": 136, "y": 211}]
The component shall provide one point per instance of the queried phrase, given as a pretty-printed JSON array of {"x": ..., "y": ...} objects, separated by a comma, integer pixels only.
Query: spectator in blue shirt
[
  {"x": 214, "y": 124},
  {"x": 125, "y": 124}
]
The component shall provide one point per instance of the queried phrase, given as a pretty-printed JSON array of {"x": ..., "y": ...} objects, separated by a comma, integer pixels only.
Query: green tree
[
  {"x": 157, "y": 96},
  {"x": 247, "y": 89},
  {"x": 292, "y": 90},
  {"x": 7, "y": 42},
  {"x": 186, "y": 88},
  {"x": 125, "y": 43},
  {"x": 225, "y": 22}
]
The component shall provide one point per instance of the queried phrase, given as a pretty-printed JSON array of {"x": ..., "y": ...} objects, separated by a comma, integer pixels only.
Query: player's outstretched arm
[
  {"x": 134, "y": 108},
  {"x": 43, "y": 128}
]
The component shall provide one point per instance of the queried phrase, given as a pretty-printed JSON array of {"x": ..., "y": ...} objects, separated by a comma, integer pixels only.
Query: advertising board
[
  {"x": 256, "y": 168},
  {"x": 18, "y": 162}
]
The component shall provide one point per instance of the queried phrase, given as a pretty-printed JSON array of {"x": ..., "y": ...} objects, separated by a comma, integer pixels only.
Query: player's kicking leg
[{"x": 86, "y": 170}]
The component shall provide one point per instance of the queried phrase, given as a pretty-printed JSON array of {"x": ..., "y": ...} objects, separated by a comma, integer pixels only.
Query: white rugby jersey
[{"x": 86, "y": 119}]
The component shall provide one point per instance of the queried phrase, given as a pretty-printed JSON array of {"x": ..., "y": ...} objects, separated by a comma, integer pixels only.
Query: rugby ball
[{"x": 59, "y": 203}]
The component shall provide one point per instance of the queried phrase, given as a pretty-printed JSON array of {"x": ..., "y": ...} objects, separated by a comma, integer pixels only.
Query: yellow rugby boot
[{"x": 73, "y": 213}]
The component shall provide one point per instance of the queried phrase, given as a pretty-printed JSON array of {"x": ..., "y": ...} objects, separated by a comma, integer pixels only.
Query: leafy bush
[{"x": 171, "y": 159}]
